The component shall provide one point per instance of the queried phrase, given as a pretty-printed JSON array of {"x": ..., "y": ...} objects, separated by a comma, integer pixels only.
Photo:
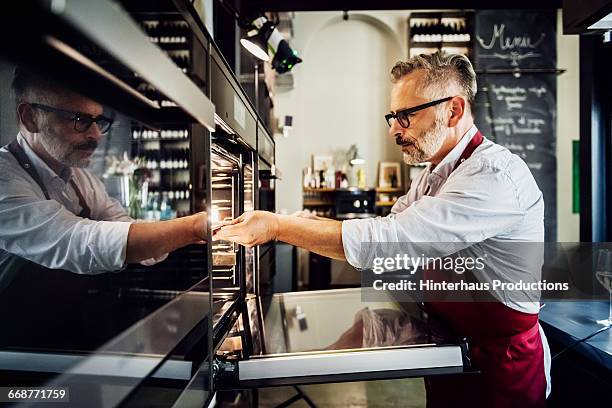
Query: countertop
[{"x": 569, "y": 322}]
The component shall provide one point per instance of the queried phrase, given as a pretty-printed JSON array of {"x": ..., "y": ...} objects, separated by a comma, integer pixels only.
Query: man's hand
[
  {"x": 322, "y": 236},
  {"x": 250, "y": 229}
]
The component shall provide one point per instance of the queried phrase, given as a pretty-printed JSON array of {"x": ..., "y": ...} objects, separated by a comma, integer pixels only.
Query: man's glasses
[
  {"x": 403, "y": 116},
  {"x": 82, "y": 121}
]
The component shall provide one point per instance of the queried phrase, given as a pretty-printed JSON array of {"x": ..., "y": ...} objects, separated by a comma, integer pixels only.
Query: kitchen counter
[{"x": 568, "y": 322}]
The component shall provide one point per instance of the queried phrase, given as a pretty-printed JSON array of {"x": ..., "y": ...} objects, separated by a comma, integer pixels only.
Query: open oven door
[{"x": 335, "y": 336}]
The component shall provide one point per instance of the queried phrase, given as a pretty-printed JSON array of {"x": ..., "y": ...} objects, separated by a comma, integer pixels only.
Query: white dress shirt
[
  {"x": 48, "y": 232},
  {"x": 491, "y": 198}
]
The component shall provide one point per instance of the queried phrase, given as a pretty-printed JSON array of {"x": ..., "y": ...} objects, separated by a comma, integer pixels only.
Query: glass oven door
[
  {"x": 111, "y": 336},
  {"x": 225, "y": 184},
  {"x": 335, "y": 336},
  {"x": 249, "y": 205}
]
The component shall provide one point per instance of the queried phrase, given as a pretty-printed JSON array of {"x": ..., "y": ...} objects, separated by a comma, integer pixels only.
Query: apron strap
[
  {"x": 476, "y": 140},
  {"x": 25, "y": 163},
  {"x": 85, "y": 210}
]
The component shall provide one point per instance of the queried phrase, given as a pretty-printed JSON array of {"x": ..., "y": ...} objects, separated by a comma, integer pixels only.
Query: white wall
[
  {"x": 568, "y": 128},
  {"x": 342, "y": 91}
]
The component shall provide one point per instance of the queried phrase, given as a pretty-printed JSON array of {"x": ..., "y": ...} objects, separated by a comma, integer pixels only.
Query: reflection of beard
[
  {"x": 428, "y": 143},
  {"x": 68, "y": 155}
]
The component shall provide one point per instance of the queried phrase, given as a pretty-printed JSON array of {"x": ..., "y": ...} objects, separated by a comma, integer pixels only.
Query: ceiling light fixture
[{"x": 265, "y": 37}]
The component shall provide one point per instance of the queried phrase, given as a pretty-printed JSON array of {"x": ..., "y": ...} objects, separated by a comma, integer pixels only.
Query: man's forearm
[
  {"x": 153, "y": 239},
  {"x": 323, "y": 237}
]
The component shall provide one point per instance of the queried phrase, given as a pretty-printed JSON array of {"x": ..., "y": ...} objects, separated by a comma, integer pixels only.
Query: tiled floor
[{"x": 409, "y": 393}]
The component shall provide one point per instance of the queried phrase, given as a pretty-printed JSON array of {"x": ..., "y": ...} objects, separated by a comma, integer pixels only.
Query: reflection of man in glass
[
  {"x": 471, "y": 191},
  {"x": 55, "y": 213},
  {"x": 384, "y": 327}
]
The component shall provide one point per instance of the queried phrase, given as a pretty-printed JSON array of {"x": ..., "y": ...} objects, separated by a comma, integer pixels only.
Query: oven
[
  {"x": 115, "y": 338},
  {"x": 207, "y": 318}
]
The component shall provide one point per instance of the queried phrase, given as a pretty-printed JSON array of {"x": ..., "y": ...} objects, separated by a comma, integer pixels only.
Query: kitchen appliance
[
  {"x": 212, "y": 321},
  {"x": 355, "y": 203}
]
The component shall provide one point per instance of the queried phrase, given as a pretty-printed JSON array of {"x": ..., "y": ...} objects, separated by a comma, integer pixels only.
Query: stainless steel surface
[
  {"x": 127, "y": 43},
  {"x": 197, "y": 394},
  {"x": 98, "y": 365},
  {"x": 265, "y": 145},
  {"x": 233, "y": 108},
  {"x": 249, "y": 205},
  {"x": 74, "y": 54},
  {"x": 139, "y": 350},
  {"x": 348, "y": 362}
]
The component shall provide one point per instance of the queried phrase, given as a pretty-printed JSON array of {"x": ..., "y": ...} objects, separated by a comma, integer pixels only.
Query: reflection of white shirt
[
  {"x": 48, "y": 232},
  {"x": 491, "y": 198}
]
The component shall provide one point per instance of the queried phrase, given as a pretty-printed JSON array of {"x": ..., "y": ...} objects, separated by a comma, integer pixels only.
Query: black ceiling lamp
[
  {"x": 256, "y": 41},
  {"x": 257, "y": 46},
  {"x": 264, "y": 36}
]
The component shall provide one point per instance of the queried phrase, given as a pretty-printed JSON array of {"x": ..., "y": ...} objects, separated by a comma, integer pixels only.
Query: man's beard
[
  {"x": 428, "y": 144},
  {"x": 68, "y": 155}
]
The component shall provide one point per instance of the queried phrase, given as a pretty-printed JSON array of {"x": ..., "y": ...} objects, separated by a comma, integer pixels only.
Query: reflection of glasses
[
  {"x": 403, "y": 116},
  {"x": 82, "y": 121}
]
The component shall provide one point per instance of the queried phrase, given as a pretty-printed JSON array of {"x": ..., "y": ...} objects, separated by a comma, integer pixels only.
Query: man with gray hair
[
  {"x": 54, "y": 212},
  {"x": 471, "y": 191}
]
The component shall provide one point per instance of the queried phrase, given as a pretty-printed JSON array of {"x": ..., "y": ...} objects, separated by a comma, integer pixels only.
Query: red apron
[{"x": 505, "y": 345}]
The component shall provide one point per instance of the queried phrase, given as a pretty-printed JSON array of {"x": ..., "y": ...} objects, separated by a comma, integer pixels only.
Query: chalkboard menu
[{"x": 515, "y": 57}]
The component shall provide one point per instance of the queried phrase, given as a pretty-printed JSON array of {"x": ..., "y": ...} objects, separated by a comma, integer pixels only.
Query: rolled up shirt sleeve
[
  {"x": 45, "y": 232},
  {"x": 477, "y": 202}
]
